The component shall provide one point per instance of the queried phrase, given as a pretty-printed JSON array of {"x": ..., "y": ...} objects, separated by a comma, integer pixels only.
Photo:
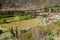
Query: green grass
[
  {"x": 57, "y": 22},
  {"x": 25, "y": 17},
  {"x": 5, "y": 20},
  {"x": 22, "y": 17}
]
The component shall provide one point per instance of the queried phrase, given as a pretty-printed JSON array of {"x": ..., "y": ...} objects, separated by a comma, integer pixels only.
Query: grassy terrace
[
  {"x": 21, "y": 20},
  {"x": 6, "y": 20},
  {"x": 22, "y": 24},
  {"x": 26, "y": 17}
]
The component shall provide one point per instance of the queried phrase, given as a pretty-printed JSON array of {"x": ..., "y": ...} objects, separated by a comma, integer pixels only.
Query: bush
[
  {"x": 0, "y": 5},
  {"x": 46, "y": 9}
]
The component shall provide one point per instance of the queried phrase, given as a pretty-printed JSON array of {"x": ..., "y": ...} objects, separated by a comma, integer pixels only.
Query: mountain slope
[{"x": 31, "y": 2}]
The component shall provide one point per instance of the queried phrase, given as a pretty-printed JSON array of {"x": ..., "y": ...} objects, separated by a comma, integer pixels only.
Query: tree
[
  {"x": 12, "y": 31},
  {"x": 52, "y": 10},
  {"x": 0, "y": 5},
  {"x": 46, "y": 9}
]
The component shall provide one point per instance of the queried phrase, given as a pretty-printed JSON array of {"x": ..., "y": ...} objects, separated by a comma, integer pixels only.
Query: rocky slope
[{"x": 30, "y": 2}]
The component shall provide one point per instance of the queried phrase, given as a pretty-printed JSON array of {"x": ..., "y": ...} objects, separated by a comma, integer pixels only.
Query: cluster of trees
[
  {"x": 6, "y": 14},
  {"x": 52, "y": 9},
  {"x": 12, "y": 14},
  {"x": 0, "y": 5}
]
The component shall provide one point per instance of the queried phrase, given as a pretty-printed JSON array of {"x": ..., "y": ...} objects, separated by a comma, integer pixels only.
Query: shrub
[{"x": 46, "y": 9}]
